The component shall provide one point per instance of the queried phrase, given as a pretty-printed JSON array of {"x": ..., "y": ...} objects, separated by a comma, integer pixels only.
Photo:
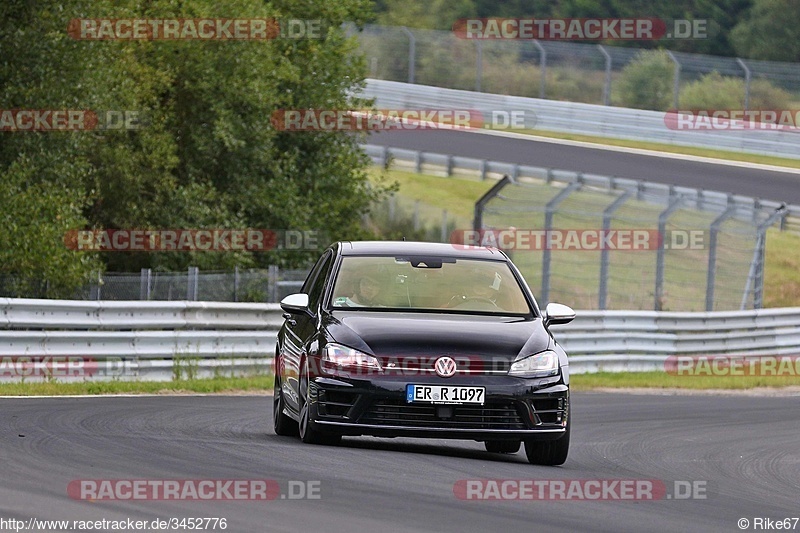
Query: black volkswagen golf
[{"x": 422, "y": 340}]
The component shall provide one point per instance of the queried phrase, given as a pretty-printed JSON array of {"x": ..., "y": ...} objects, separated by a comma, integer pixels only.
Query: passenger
[
  {"x": 366, "y": 293},
  {"x": 367, "y": 290}
]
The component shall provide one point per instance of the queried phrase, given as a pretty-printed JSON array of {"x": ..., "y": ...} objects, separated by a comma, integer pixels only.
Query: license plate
[{"x": 444, "y": 394}]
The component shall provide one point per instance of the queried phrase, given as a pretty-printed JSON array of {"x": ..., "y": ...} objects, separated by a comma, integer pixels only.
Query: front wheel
[
  {"x": 281, "y": 423},
  {"x": 549, "y": 452},
  {"x": 308, "y": 433}
]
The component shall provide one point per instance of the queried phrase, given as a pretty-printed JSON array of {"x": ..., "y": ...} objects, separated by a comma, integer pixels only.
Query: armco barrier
[
  {"x": 159, "y": 340},
  {"x": 584, "y": 119}
]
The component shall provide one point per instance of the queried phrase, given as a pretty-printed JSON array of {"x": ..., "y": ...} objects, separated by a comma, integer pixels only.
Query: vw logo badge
[{"x": 445, "y": 367}]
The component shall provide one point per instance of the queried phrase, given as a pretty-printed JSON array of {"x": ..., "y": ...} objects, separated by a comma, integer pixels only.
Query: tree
[
  {"x": 207, "y": 155},
  {"x": 771, "y": 31}
]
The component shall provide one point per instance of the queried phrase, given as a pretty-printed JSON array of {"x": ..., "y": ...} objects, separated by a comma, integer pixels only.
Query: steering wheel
[{"x": 468, "y": 299}]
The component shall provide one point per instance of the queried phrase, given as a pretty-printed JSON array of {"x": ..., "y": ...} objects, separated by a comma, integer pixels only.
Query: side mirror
[
  {"x": 295, "y": 303},
  {"x": 558, "y": 314}
]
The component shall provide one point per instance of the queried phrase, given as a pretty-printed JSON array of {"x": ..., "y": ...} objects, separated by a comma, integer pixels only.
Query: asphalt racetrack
[
  {"x": 779, "y": 186},
  {"x": 741, "y": 453}
]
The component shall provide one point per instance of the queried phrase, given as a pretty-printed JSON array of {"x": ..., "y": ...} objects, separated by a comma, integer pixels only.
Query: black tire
[
  {"x": 282, "y": 424},
  {"x": 308, "y": 433},
  {"x": 502, "y": 446},
  {"x": 548, "y": 452}
]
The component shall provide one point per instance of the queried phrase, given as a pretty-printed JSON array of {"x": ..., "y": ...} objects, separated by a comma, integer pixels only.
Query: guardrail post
[
  {"x": 711, "y": 274},
  {"x": 550, "y": 210},
  {"x": 542, "y": 67},
  {"x": 747, "y": 79},
  {"x": 144, "y": 283},
  {"x": 449, "y": 165},
  {"x": 385, "y": 157},
  {"x": 96, "y": 289},
  {"x": 418, "y": 162},
  {"x": 272, "y": 283},
  {"x": 756, "y": 209},
  {"x": 662, "y": 227},
  {"x": 478, "y": 64},
  {"x": 755, "y": 276},
  {"x": 607, "y": 83},
  {"x": 676, "y": 89},
  {"x": 191, "y": 284},
  {"x": 483, "y": 169},
  {"x": 477, "y": 222},
  {"x": 412, "y": 53},
  {"x": 607, "y": 212},
  {"x": 236, "y": 283}
]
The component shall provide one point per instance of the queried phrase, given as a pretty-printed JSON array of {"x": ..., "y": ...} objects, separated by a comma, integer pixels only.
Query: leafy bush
[
  {"x": 647, "y": 81},
  {"x": 764, "y": 95},
  {"x": 714, "y": 91}
]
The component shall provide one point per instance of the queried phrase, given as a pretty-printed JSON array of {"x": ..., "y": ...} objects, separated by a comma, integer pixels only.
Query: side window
[
  {"x": 318, "y": 285},
  {"x": 312, "y": 275}
]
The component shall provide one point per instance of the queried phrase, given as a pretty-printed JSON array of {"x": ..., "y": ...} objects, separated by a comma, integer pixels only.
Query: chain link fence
[
  {"x": 569, "y": 71},
  {"x": 702, "y": 252},
  {"x": 270, "y": 285}
]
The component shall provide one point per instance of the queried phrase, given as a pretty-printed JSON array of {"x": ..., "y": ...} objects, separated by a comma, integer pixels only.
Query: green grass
[
  {"x": 263, "y": 384},
  {"x": 671, "y": 148},
  {"x": 782, "y": 270},
  {"x": 662, "y": 380},
  {"x": 457, "y": 195},
  {"x": 203, "y": 386}
]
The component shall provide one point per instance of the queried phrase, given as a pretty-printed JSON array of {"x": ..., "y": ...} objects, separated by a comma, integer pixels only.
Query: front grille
[
  {"x": 425, "y": 365},
  {"x": 399, "y": 413},
  {"x": 335, "y": 403},
  {"x": 548, "y": 410}
]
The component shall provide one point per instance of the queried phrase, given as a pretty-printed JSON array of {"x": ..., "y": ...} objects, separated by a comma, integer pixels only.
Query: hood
[{"x": 397, "y": 335}]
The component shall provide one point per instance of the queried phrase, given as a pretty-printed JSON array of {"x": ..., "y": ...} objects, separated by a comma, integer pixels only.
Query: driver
[
  {"x": 484, "y": 287},
  {"x": 367, "y": 290}
]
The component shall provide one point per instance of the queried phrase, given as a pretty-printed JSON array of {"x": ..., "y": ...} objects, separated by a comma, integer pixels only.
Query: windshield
[{"x": 428, "y": 283}]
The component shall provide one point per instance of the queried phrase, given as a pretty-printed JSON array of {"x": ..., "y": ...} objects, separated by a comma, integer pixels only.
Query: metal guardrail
[
  {"x": 584, "y": 119},
  {"x": 449, "y": 165},
  {"x": 135, "y": 340},
  {"x": 19, "y": 313},
  {"x": 159, "y": 341}
]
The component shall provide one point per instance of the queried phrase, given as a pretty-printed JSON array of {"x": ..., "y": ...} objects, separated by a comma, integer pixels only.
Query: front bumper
[{"x": 514, "y": 408}]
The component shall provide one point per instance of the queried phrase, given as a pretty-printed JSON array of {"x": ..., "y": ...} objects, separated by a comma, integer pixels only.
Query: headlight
[
  {"x": 541, "y": 364},
  {"x": 338, "y": 357}
]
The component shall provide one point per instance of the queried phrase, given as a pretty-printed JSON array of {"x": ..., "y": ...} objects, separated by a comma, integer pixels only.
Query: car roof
[{"x": 420, "y": 248}]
